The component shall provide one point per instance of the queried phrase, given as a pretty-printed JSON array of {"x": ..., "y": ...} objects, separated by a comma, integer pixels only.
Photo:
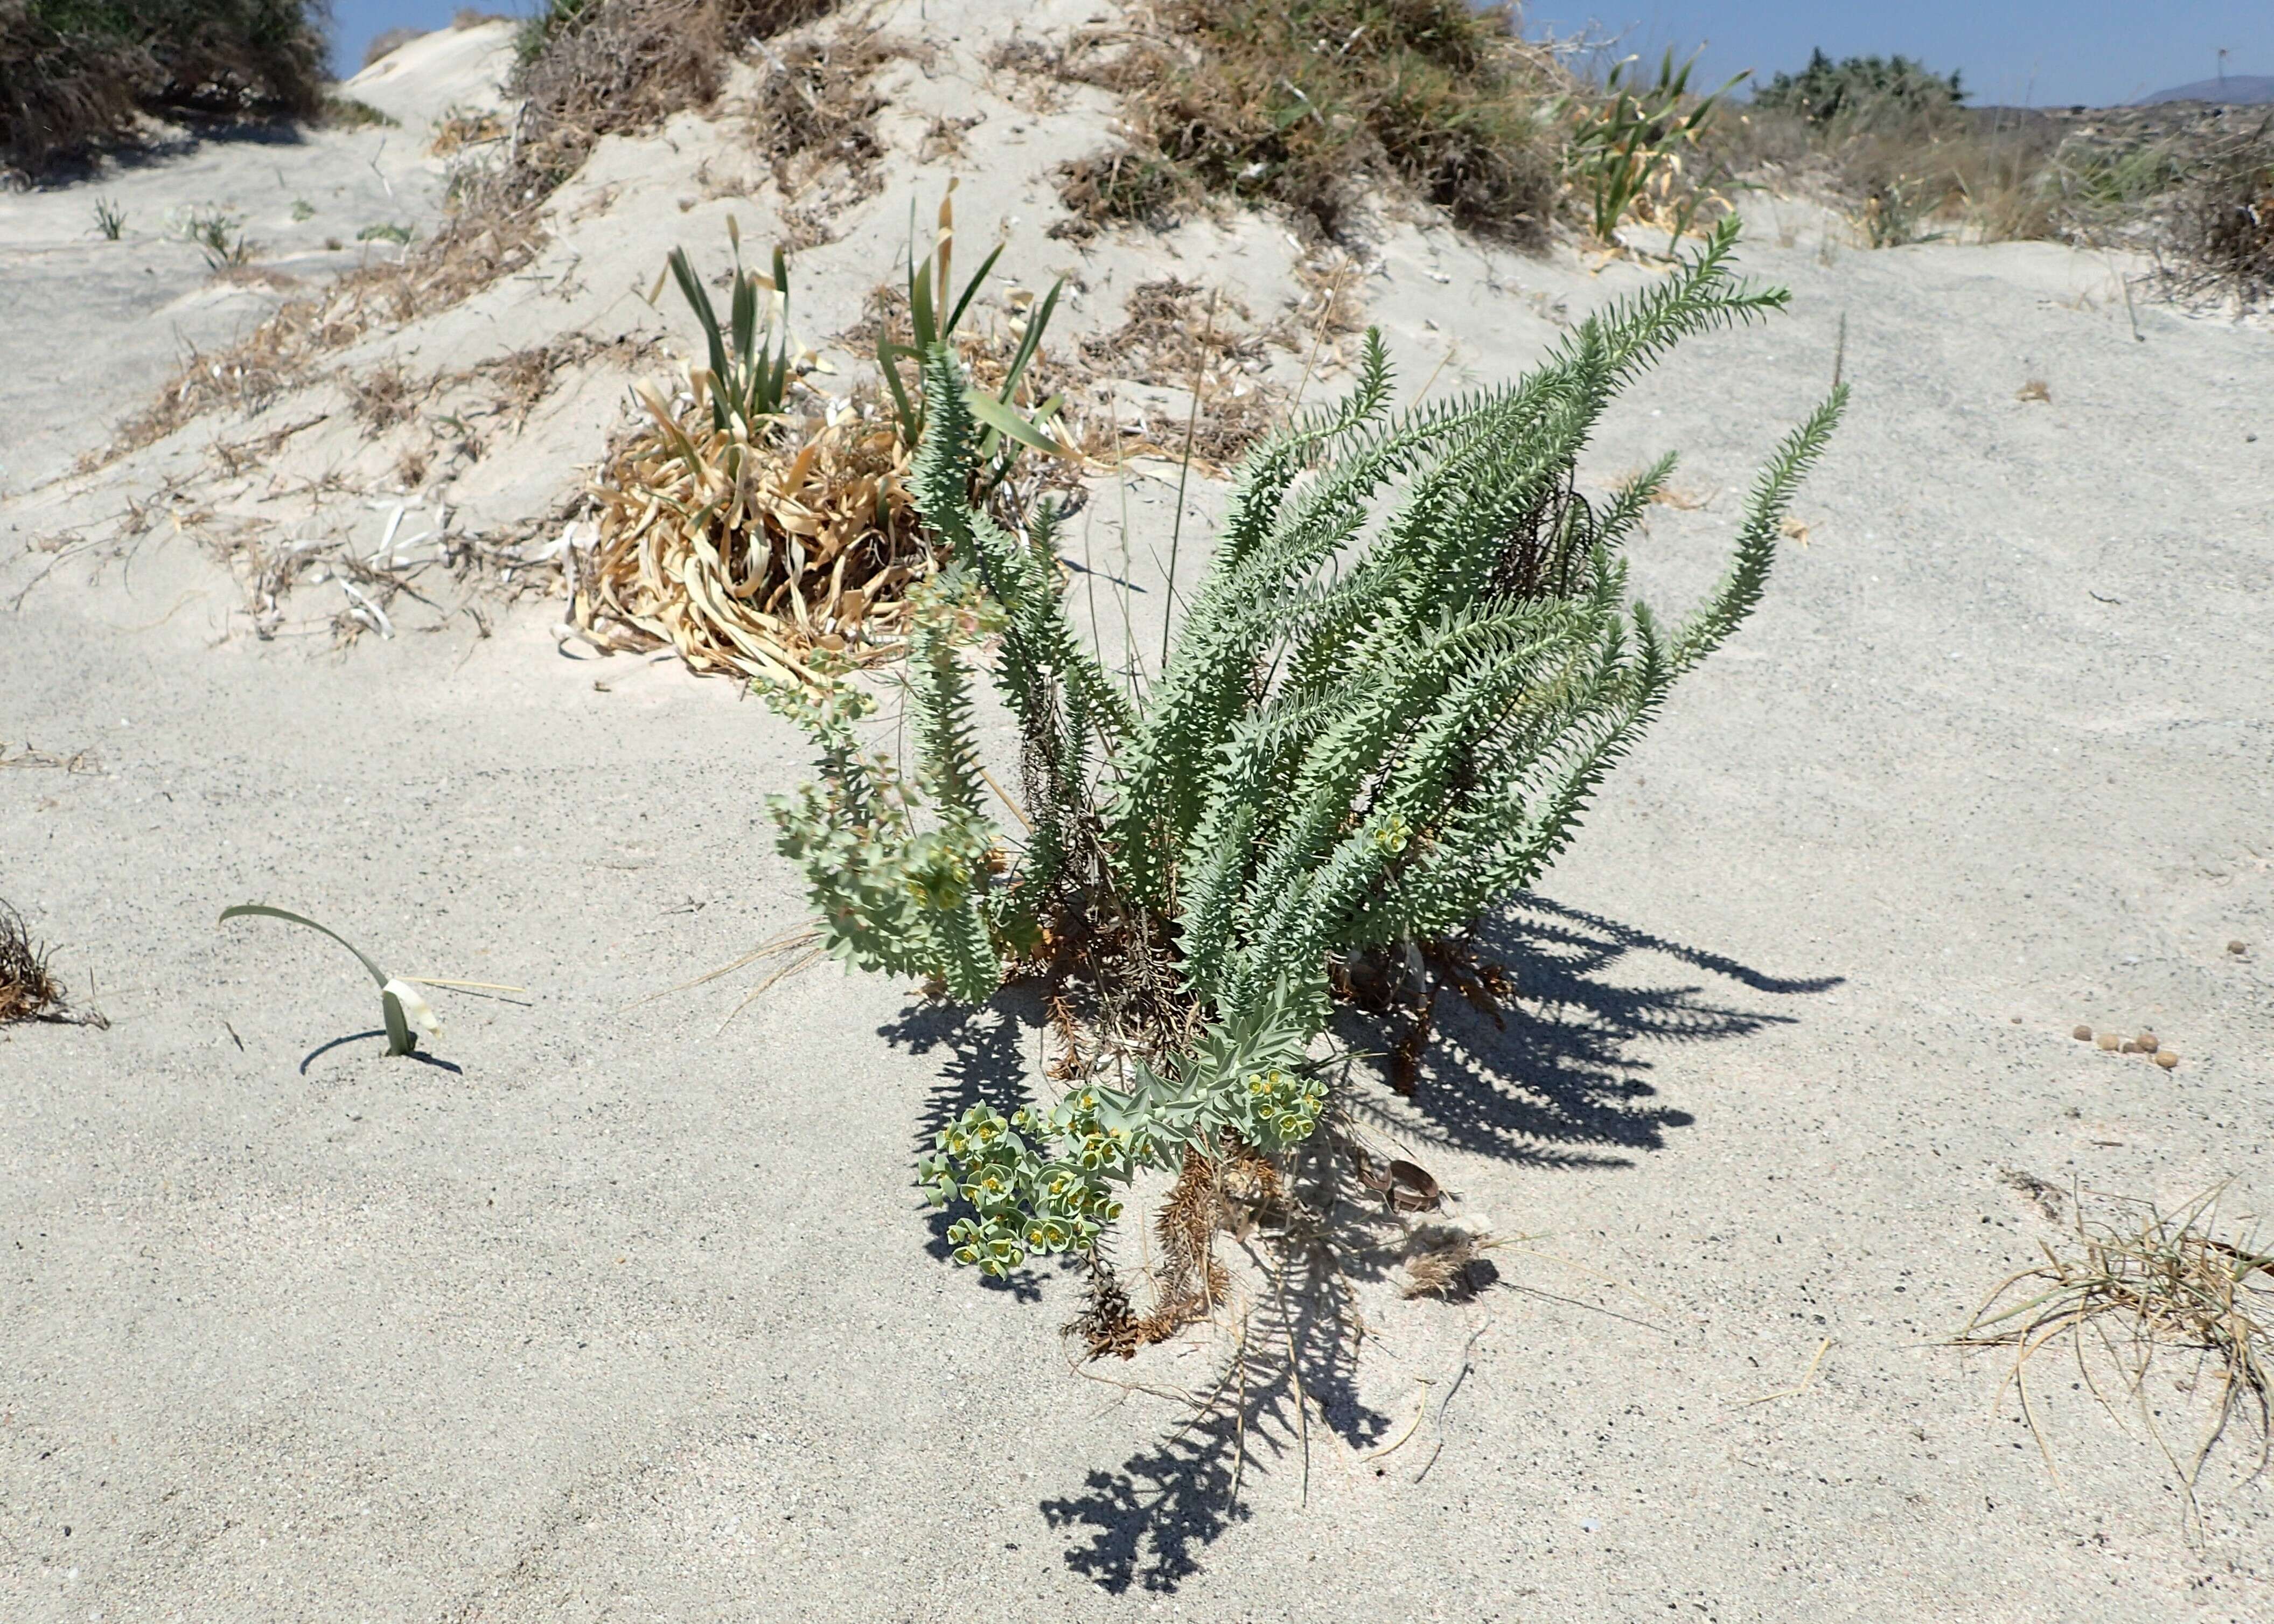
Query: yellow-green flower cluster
[
  {"x": 1022, "y": 1200},
  {"x": 1277, "y": 1108},
  {"x": 938, "y": 870}
]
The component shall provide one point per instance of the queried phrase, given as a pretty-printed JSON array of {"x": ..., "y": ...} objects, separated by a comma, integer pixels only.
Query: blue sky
[
  {"x": 2047, "y": 53},
  {"x": 2042, "y": 52},
  {"x": 355, "y": 22}
]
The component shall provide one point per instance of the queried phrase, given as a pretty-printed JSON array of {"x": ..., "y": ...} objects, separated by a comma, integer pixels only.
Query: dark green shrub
[
  {"x": 74, "y": 73},
  {"x": 1825, "y": 90}
]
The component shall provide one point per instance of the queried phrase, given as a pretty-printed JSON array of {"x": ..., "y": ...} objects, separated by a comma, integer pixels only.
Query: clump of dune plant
[
  {"x": 1412, "y": 658},
  {"x": 1629, "y": 144},
  {"x": 751, "y": 529},
  {"x": 402, "y": 1006},
  {"x": 1295, "y": 101}
]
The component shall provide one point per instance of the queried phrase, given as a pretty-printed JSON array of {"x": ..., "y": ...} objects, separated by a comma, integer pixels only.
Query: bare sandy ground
[
  {"x": 623, "y": 1314},
  {"x": 93, "y": 324}
]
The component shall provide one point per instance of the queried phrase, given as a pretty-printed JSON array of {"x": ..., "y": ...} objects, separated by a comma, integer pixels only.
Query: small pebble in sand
[
  {"x": 2083, "y": 1035},
  {"x": 2166, "y": 1058},
  {"x": 2237, "y": 947},
  {"x": 2109, "y": 1039}
]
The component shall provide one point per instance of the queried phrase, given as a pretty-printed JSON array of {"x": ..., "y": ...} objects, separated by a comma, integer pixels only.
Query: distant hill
[{"x": 2235, "y": 88}]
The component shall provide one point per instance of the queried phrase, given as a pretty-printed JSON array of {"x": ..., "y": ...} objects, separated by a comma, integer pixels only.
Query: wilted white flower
[{"x": 416, "y": 1009}]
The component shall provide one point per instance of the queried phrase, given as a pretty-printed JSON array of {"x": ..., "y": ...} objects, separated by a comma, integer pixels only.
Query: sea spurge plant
[{"x": 1410, "y": 661}]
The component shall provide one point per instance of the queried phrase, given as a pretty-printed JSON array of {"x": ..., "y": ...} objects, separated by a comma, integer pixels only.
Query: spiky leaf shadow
[{"x": 1559, "y": 1083}]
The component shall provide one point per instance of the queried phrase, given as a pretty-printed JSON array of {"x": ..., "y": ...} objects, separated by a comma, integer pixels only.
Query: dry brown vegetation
[
  {"x": 2142, "y": 177},
  {"x": 817, "y": 120},
  {"x": 745, "y": 558},
  {"x": 604, "y": 67},
  {"x": 2221, "y": 237},
  {"x": 28, "y": 990},
  {"x": 612, "y": 67},
  {"x": 2133, "y": 1284},
  {"x": 487, "y": 237}
]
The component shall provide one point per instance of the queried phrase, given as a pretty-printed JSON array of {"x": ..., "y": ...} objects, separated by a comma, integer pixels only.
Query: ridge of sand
[{"x": 625, "y": 1314}]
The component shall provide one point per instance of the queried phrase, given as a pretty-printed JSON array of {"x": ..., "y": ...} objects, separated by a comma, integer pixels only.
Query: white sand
[{"x": 628, "y": 1316}]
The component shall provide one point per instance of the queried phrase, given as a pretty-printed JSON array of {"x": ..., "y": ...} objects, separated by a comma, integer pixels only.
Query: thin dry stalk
[{"x": 2137, "y": 1281}]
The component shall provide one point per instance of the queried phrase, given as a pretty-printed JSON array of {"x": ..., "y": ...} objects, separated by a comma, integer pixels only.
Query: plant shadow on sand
[
  {"x": 1560, "y": 1080},
  {"x": 321, "y": 1050}
]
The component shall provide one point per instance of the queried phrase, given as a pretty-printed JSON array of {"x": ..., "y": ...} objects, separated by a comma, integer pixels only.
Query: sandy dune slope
[{"x": 613, "y": 1311}]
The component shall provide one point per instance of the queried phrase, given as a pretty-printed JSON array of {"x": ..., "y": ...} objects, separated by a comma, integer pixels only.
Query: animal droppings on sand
[
  {"x": 2083, "y": 1035},
  {"x": 2109, "y": 1039},
  {"x": 2166, "y": 1059},
  {"x": 2237, "y": 947}
]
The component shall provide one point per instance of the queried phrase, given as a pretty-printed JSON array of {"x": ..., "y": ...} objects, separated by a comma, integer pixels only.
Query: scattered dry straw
[
  {"x": 487, "y": 237},
  {"x": 2135, "y": 1282}
]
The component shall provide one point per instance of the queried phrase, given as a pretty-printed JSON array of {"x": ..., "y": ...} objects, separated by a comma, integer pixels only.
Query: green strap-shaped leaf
[
  {"x": 399, "y": 1040},
  {"x": 1010, "y": 423},
  {"x": 243, "y": 909}
]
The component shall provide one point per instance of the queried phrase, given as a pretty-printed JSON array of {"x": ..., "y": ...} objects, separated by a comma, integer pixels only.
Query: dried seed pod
[
  {"x": 2166, "y": 1059},
  {"x": 2108, "y": 1039},
  {"x": 2083, "y": 1035}
]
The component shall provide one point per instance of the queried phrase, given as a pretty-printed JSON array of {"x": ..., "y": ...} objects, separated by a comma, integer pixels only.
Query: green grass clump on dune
[{"x": 1295, "y": 101}]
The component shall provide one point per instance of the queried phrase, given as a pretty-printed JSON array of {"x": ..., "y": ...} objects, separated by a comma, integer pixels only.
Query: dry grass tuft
[
  {"x": 821, "y": 106},
  {"x": 2134, "y": 1283},
  {"x": 817, "y": 125},
  {"x": 28, "y": 991},
  {"x": 1447, "y": 1262},
  {"x": 1123, "y": 186},
  {"x": 383, "y": 397}
]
